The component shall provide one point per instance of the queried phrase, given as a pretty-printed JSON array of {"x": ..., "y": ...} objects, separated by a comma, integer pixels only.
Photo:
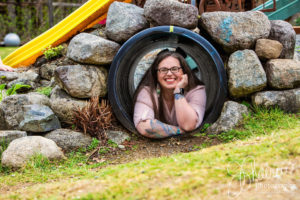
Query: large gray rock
[
  {"x": 6, "y": 77},
  {"x": 63, "y": 105},
  {"x": 231, "y": 116},
  {"x": 12, "y": 107},
  {"x": 39, "y": 119},
  {"x": 69, "y": 140},
  {"x": 236, "y": 30},
  {"x": 47, "y": 70},
  {"x": 90, "y": 49},
  {"x": 82, "y": 81},
  {"x": 124, "y": 20},
  {"x": 268, "y": 49},
  {"x": 117, "y": 137},
  {"x": 245, "y": 73},
  {"x": 171, "y": 12},
  {"x": 287, "y": 100},
  {"x": 284, "y": 33},
  {"x": 21, "y": 150},
  {"x": 8, "y": 136},
  {"x": 283, "y": 73}
]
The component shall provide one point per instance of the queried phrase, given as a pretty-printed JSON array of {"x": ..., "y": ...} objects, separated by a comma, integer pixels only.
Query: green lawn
[
  {"x": 5, "y": 51},
  {"x": 271, "y": 141}
]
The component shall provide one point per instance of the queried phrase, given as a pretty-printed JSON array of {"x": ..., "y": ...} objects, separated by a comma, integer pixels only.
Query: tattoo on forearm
[
  {"x": 178, "y": 96},
  {"x": 160, "y": 129}
]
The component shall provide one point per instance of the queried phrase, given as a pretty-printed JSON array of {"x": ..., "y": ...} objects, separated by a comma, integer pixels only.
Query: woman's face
[{"x": 169, "y": 79}]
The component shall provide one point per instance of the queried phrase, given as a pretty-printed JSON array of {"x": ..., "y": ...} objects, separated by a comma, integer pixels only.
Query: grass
[
  {"x": 5, "y": 51},
  {"x": 270, "y": 138}
]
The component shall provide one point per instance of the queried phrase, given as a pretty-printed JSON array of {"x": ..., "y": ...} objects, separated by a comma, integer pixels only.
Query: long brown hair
[{"x": 150, "y": 80}]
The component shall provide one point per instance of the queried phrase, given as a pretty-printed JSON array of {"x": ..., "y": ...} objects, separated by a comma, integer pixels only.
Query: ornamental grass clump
[{"x": 94, "y": 119}]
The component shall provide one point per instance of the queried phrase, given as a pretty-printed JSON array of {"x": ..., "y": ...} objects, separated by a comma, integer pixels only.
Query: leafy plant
[
  {"x": 44, "y": 90},
  {"x": 2, "y": 87},
  {"x": 15, "y": 87},
  {"x": 53, "y": 52}
]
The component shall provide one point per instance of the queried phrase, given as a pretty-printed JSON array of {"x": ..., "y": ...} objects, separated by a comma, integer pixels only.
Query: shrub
[
  {"x": 53, "y": 52},
  {"x": 44, "y": 90},
  {"x": 94, "y": 119}
]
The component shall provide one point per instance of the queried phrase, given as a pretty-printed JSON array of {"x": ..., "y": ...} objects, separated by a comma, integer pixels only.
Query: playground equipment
[
  {"x": 284, "y": 8},
  {"x": 83, "y": 18},
  {"x": 12, "y": 40}
]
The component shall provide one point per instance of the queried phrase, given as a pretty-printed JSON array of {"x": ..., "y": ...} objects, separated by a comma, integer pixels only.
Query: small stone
[
  {"x": 268, "y": 49},
  {"x": 121, "y": 146}
]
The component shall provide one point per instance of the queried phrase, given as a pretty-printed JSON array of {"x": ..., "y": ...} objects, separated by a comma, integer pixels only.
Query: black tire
[{"x": 120, "y": 78}]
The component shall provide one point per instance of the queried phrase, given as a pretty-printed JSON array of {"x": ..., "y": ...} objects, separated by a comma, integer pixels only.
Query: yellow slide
[{"x": 84, "y": 17}]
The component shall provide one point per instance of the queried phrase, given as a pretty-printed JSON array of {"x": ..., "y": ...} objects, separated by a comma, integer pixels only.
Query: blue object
[{"x": 12, "y": 39}]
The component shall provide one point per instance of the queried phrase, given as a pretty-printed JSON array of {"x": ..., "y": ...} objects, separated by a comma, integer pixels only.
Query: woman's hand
[
  {"x": 5, "y": 67},
  {"x": 183, "y": 82}
]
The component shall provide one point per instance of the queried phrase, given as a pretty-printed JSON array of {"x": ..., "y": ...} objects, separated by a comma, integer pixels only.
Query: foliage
[
  {"x": 259, "y": 122},
  {"x": 2, "y": 87},
  {"x": 94, "y": 119},
  {"x": 53, "y": 52},
  {"x": 15, "y": 88},
  {"x": 297, "y": 21},
  {"x": 44, "y": 90}
]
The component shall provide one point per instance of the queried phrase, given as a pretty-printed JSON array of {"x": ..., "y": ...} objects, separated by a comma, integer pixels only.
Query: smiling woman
[{"x": 170, "y": 100}]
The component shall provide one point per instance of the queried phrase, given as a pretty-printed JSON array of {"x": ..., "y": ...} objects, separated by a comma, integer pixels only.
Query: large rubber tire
[{"x": 121, "y": 73}]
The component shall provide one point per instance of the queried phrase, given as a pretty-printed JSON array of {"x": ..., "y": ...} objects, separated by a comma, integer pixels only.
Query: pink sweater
[{"x": 143, "y": 108}]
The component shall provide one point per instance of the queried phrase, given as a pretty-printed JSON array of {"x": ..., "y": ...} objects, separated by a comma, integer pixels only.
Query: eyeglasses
[{"x": 165, "y": 70}]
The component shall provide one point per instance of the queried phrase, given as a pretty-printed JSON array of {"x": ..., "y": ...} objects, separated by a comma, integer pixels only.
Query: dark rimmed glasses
[{"x": 165, "y": 70}]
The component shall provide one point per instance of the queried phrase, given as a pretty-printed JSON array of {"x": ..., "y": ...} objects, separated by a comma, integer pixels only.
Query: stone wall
[{"x": 258, "y": 55}]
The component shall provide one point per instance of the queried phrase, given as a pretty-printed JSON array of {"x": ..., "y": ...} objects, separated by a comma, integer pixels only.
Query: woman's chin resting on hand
[{"x": 170, "y": 100}]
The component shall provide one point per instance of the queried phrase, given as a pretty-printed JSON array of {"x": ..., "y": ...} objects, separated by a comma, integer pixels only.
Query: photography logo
[{"x": 245, "y": 174}]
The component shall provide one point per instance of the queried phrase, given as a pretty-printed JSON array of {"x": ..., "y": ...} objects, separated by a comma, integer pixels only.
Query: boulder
[
  {"x": 21, "y": 150},
  {"x": 170, "y": 12},
  {"x": 90, "y": 49},
  {"x": 283, "y": 73},
  {"x": 284, "y": 33},
  {"x": 268, "y": 49},
  {"x": 236, "y": 30},
  {"x": 231, "y": 116},
  {"x": 8, "y": 136},
  {"x": 47, "y": 70},
  {"x": 69, "y": 140},
  {"x": 82, "y": 81},
  {"x": 287, "y": 100},
  {"x": 117, "y": 137},
  {"x": 245, "y": 74},
  {"x": 6, "y": 77},
  {"x": 39, "y": 119},
  {"x": 12, "y": 107},
  {"x": 63, "y": 105},
  {"x": 124, "y": 20}
]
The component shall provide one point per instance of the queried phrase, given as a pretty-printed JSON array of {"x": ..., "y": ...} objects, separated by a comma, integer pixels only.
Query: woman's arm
[
  {"x": 189, "y": 113},
  {"x": 153, "y": 128},
  {"x": 186, "y": 116}
]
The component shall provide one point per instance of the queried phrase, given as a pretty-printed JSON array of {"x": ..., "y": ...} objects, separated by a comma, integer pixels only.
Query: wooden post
[{"x": 50, "y": 6}]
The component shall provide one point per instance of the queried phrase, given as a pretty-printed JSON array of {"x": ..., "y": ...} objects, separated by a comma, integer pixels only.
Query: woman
[{"x": 170, "y": 100}]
